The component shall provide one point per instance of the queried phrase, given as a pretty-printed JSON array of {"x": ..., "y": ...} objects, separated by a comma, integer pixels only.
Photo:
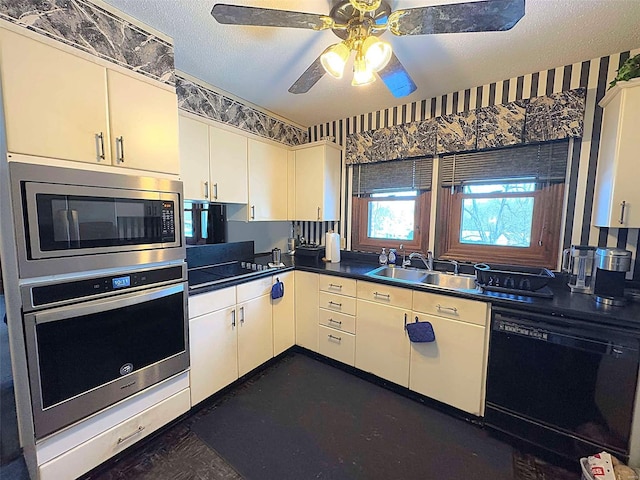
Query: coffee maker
[{"x": 611, "y": 267}]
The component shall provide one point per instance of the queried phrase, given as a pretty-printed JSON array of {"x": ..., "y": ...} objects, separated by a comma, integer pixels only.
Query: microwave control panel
[{"x": 168, "y": 222}]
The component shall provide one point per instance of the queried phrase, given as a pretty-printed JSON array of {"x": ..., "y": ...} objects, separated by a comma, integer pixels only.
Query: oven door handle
[{"x": 104, "y": 304}]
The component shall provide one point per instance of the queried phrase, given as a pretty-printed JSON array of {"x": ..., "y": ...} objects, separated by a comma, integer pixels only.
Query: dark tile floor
[{"x": 176, "y": 453}]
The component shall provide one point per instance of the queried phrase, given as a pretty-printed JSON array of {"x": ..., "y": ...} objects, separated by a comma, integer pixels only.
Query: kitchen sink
[
  {"x": 411, "y": 275},
  {"x": 419, "y": 276}
]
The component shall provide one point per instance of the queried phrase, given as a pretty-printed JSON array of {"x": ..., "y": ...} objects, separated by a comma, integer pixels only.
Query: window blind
[
  {"x": 546, "y": 162},
  {"x": 395, "y": 175}
]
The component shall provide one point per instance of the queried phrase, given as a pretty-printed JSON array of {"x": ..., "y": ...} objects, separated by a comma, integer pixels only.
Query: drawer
[
  {"x": 253, "y": 289},
  {"x": 211, "y": 301},
  {"x": 339, "y": 321},
  {"x": 337, "y": 303},
  {"x": 462, "y": 309},
  {"x": 93, "y": 452},
  {"x": 340, "y": 285},
  {"x": 338, "y": 345},
  {"x": 376, "y": 292}
]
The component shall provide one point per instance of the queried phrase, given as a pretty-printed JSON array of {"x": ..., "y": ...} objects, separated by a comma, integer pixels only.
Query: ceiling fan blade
[
  {"x": 267, "y": 17},
  {"x": 396, "y": 78},
  {"x": 309, "y": 78},
  {"x": 483, "y": 16}
]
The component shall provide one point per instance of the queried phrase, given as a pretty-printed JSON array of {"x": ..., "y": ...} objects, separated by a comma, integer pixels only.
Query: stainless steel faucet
[
  {"x": 405, "y": 261},
  {"x": 428, "y": 261},
  {"x": 456, "y": 266}
]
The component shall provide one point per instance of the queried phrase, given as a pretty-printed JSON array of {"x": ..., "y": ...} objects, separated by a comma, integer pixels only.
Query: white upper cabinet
[
  {"x": 617, "y": 198},
  {"x": 194, "y": 158},
  {"x": 54, "y": 102},
  {"x": 228, "y": 166},
  {"x": 267, "y": 181},
  {"x": 317, "y": 182},
  {"x": 213, "y": 162},
  {"x": 59, "y": 105},
  {"x": 144, "y": 124}
]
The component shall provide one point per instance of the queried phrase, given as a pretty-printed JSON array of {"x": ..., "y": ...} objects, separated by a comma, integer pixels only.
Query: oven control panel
[{"x": 78, "y": 290}]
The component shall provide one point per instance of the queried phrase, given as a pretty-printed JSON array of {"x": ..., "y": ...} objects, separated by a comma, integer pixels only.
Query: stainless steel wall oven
[{"x": 94, "y": 341}]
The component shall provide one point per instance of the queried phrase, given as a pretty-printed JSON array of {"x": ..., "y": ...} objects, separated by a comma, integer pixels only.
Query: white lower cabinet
[
  {"x": 382, "y": 345},
  {"x": 284, "y": 325},
  {"x": 100, "y": 448},
  {"x": 230, "y": 334},
  {"x": 452, "y": 369},
  {"x": 337, "y": 344},
  {"x": 306, "y": 305}
]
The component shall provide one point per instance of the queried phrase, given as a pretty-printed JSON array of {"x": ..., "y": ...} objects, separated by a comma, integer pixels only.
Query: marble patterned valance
[
  {"x": 86, "y": 26},
  {"x": 552, "y": 117},
  {"x": 197, "y": 99}
]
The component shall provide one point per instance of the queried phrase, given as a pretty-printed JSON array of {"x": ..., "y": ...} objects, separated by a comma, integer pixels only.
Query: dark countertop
[{"x": 563, "y": 304}]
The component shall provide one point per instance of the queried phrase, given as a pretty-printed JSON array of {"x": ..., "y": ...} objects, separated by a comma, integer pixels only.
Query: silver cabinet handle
[
  {"x": 215, "y": 191},
  {"x": 120, "y": 149},
  {"x": 206, "y": 189},
  {"x": 100, "y": 146},
  {"x": 233, "y": 318},
  {"x": 335, "y": 304},
  {"x": 622, "y": 206},
  {"x": 333, "y": 337},
  {"x": 338, "y": 322},
  {"x": 318, "y": 213},
  {"x": 451, "y": 309},
  {"x": 383, "y": 295},
  {"x": 241, "y": 314},
  {"x": 253, "y": 212},
  {"x": 124, "y": 439},
  {"x": 333, "y": 285}
]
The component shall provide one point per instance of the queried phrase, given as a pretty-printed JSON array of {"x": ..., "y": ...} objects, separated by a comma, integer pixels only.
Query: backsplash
[
  {"x": 90, "y": 28},
  {"x": 198, "y": 99}
]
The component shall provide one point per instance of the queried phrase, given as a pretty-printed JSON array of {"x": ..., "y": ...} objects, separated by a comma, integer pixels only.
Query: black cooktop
[{"x": 211, "y": 274}]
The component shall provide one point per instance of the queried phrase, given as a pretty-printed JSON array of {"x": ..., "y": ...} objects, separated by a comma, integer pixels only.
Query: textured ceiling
[{"x": 259, "y": 64}]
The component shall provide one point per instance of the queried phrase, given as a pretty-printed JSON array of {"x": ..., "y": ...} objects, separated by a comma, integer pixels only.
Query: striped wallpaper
[{"x": 593, "y": 74}]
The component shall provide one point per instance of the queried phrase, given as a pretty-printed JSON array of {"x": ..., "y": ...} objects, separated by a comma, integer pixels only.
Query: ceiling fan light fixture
[
  {"x": 362, "y": 74},
  {"x": 376, "y": 53},
  {"x": 335, "y": 58}
]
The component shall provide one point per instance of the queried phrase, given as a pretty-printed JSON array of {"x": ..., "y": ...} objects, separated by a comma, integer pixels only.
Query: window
[
  {"x": 204, "y": 223},
  {"x": 391, "y": 205},
  {"x": 513, "y": 219}
]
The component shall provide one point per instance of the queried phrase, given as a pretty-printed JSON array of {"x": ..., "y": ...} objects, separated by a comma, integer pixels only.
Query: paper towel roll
[{"x": 332, "y": 244}]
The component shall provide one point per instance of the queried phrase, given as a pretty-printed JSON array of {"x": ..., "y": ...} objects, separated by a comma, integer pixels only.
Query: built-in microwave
[{"x": 70, "y": 220}]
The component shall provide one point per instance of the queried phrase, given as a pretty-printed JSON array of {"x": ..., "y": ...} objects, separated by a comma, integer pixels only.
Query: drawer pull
[
  {"x": 338, "y": 322},
  {"x": 333, "y": 285},
  {"x": 124, "y": 439},
  {"x": 339, "y": 305},
  {"x": 233, "y": 318},
  {"x": 241, "y": 314},
  {"x": 451, "y": 309},
  {"x": 333, "y": 337},
  {"x": 382, "y": 295}
]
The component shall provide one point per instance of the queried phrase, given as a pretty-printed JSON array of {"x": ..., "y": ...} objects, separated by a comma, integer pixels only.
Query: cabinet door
[
  {"x": 145, "y": 118},
  {"x": 382, "y": 345},
  {"x": 267, "y": 181},
  {"x": 54, "y": 102},
  {"x": 306, "y": 305},
  {"x": 228, "y": 157},
  {"x": 194, "y": 158},
  {"x": 213, "y": 350},
  {"x": 284, "y": 326},
  {"x": 255, "y": 333},
  {"x": 309, "y": 181},
  {"x": 452, "y": 368}
]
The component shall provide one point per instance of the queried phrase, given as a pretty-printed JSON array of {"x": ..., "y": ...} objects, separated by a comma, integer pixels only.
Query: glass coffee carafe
[{"x": 578, "y": 262}]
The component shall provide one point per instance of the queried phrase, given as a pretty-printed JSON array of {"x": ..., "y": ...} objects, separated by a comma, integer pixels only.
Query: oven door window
[
  {"x": 67, "y": 222},
  {"x": 81, "y": 353}
]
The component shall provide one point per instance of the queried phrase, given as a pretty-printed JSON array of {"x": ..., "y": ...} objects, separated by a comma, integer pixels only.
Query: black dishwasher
[{"x": 562, "y": 384}]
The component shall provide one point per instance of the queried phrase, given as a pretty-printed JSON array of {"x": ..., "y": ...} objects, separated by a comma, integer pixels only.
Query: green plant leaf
[{"x": 628, "y": 70}]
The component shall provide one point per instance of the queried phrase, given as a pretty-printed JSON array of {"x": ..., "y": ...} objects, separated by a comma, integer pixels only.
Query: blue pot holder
[
  {"x": 277, "y": 290},
  {"x": 420, "y": 332}
]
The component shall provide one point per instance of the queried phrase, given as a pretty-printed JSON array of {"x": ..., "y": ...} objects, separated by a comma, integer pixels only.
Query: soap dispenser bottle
[
  {"x": 392, "y": 256},
  {"x": 383, "y": 257}
]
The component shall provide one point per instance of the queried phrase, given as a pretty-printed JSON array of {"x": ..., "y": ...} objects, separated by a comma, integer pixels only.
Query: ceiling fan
[{"x": 359, "y": 23}]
